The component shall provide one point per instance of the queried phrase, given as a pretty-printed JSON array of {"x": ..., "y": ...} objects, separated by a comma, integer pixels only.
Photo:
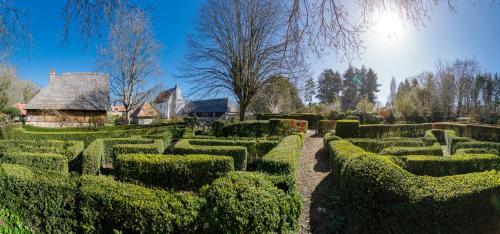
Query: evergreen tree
[
  {"x": 350, "y": 90},
  {"x": 309, "y": 91},
  {"x": 369, "y": 85},
  {"x": 329, "y": 86},
  {"x": 392, "y": 93}
]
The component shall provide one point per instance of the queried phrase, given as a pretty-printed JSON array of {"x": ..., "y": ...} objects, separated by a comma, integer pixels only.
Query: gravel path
[{"x": 315, "y": 184}]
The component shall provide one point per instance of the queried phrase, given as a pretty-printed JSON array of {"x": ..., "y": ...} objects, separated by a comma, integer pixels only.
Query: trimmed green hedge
[
  {"x": 476, "y": 151},
  {"x": 245, "y": 129},
  {"x": 92, "y": 158},
  {"x": 173, "y": 171},
  {"x": 377, "y": 145},
  {"x": 311, "y": 118},
  {"x": 347, "y": 128},
  {"x": 156, "y": 147},
  {"x": 285, "y": 127},
  {"x": 255, "y": 148},
  {"x": 434, "y": 150},
  {"x": 283, "y": 159},
  {"x": 239, "y": 153},
  {"x": 393, "y": 130},
  {"x": 326, "y": 126},
  {"x": 381, "y": 196},
  {"x": 445, "y": 166},
  {"x": 45, "y": 200},
  {"x": 476, "y": 145},
  {"x": 245, "y": 202},
  {"x": 108, "y": 205},
  {"x": 45, "y": 161}
]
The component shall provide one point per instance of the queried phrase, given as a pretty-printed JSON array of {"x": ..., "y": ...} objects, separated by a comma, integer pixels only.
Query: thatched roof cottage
[{"x": 71, "y": 99}]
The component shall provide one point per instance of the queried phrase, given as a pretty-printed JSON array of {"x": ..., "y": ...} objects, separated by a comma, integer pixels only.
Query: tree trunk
[{"x": 242, "y": 112}]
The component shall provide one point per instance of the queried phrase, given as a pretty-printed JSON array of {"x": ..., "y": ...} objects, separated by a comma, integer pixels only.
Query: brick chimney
[{"x": 52, "y": 74}]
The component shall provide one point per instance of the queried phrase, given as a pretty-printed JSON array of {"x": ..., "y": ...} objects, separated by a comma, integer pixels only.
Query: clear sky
[{"x": 471, "y": 31}]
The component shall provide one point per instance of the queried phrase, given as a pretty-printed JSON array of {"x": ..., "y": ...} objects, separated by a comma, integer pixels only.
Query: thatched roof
[
  {"x": 145, "y": 111},
  {"x": 209, "y": 105},
  {"x": 74, "y": 91}
]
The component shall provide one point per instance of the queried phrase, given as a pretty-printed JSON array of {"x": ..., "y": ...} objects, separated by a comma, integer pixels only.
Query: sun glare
[{"x": 389, "y": 26}]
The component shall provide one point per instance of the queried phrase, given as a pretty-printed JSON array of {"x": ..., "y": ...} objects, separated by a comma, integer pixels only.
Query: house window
[{"x": 219, "y": 114}]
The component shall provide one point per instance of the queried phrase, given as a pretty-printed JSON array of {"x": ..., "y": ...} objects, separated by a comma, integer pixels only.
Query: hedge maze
[
  {"x": 152, "y": 180},
  {"x": 421, "y": 178}
]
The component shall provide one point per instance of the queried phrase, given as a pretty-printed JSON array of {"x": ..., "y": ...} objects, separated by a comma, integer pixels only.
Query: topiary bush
[
  {"x": 326, "y": 126},
  {"x": 45, "y": 161},
  {"x": 347, "y": 128},
  {"x": 173, "y": 171},
  {"x": 45, "y": 200},
  {"x": 249, "y": 203},
  {"x": 108, "y": 206},
  {"x": 239, "y": 153},
  {"x": 283, "y": 159}
]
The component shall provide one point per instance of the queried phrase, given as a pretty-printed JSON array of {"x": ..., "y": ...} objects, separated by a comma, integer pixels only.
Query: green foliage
[
  {"x": 476, "y": 145},
  {"x": 393, "y": 130},
  {"x": 434, "y": 150},
  {"x": 107, "y": 205},
  {"x": 245, "y": 129},
  {"x": 246, "y": 202},
  {"x": 378, "y": 144},
  {"x": 216, "y": 127},
  {"x": 476, "y": 151},
  {"x": 283, "y": 159},
  {"x": 325, "y": 126},
  {"x": 347, "y": 128},
  {"x": 285, "y": 127},
  {"x": 92, "y": 157},
  {"x": 11, "y": 223},
  {"x": 173, "y": 171},
  {"x": 12, "y": 112},
  {"x": 45, "y": 161},
  {"x": 382, "y": 196},
  {"x": 46, "y": 201},
  {"x": 445, "y": 166},
  {"x": 239, "y": 153},
  {"x": 311, "y": 118},
  {"x": 156, "y": 147}
]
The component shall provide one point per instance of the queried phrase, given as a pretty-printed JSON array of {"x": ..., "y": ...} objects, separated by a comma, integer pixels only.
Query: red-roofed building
[{"x": 21, "y": 107}]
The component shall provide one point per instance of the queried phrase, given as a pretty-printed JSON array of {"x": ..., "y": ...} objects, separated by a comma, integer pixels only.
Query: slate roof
[
  {"x": 209, "y": 105},
  {"x": 74, "y": 91}
]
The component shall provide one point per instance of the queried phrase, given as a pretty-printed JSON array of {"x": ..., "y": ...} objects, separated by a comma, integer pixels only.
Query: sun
[{"x": 389, "y": 26}]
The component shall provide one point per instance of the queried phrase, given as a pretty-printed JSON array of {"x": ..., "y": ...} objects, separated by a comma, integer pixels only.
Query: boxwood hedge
[
  {"x": 377, "y": 145},
  {"x": 477, "y": 145},
  {"x": 393, "y": 130},
  {"x": 382, "y": 197},
  {"x": 45, "y": 200},
  {"x": 245, "y": 202},
  {"x": 449, "y": 165},
  {"x": 434, "y": 150},
  {"x": 326, "y": 126},
  {"x": 347, "y": 128},
  {"x": 46, "y": 161},
  {"x": 283, "y": 159},
  {"x": 107, "y": 205},
  {"x": 476, "y": 151},
  {"x": 239, "y": 153},
  {"x": 173, "y": 171}
]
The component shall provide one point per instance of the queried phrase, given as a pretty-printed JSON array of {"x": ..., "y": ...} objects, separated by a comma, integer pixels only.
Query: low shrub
[
  {"x": 347, "y": 128},
  {"x": 329, "y": 137},
  {"x": 239, "y": 153},
  {"x": 326, "y": 126},
  {"x": 108, "y": 205},
  {"x": 311, "y": 118},
  {"x": 245, "y": 202},
  {"x": 246, "y": 129},
  {"x": 173, "y": 171},
  {"x": 393, "y": 130},
  {"x": 380, "y": 196},
  {"x": 11, "y": 223},
  {"x": 255, "y": 148},
  {"x": 156, "y": 147},
  {"x": 283, "y": 159},
  {"x": 476, "y": 144},
  {"x": 476, "y": 151},
  {"x": 449, "y": 165},
  {"x": 92, "y": 158},
  {"x": 45, "y": 200},
  {"x": 377, "y": 145},
  {"x": 45, "y": 161},
  {"x": 434, "y": 150},
  {"x": 285, "y": 127}
]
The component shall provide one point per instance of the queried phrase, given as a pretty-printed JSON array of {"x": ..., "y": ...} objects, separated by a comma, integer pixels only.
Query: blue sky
[{"x": 472, "y": 31}]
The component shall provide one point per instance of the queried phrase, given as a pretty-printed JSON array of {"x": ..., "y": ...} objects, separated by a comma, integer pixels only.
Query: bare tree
[
  {"x": 239, "y": 46},
  {"x": 14, "y": 28},
  {"x": 131, "y": 58},
  {"x": 7, "y": 74}
]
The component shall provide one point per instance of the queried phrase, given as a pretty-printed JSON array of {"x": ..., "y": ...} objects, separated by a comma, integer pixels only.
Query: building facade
[
  {"x": 169, "y": 103},
  {"x": 70, "y": 100}
]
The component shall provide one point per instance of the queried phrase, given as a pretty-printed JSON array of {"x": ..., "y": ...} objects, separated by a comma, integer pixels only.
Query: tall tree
[
  {"x": 350, "y": 89},
  {"x": 239, "y": 45},
  {"x": 329, "y": 86},
  {"x": 309, "y": 91},
  {"x": 392, "y": 92},
  {"x": 14, "y": 28},
  {"x": 130, "y": 57},
  {"x": 7, "y": 74},
  {"x": 280, "y": 95},
  {"x": 369, "y": 85}
]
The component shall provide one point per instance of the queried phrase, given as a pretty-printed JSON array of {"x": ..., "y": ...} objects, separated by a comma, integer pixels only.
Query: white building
[{"x": 169, "y": 103}]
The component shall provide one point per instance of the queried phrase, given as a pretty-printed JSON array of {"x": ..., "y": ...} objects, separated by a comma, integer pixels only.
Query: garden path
[{"x": 315, "y": 185}]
